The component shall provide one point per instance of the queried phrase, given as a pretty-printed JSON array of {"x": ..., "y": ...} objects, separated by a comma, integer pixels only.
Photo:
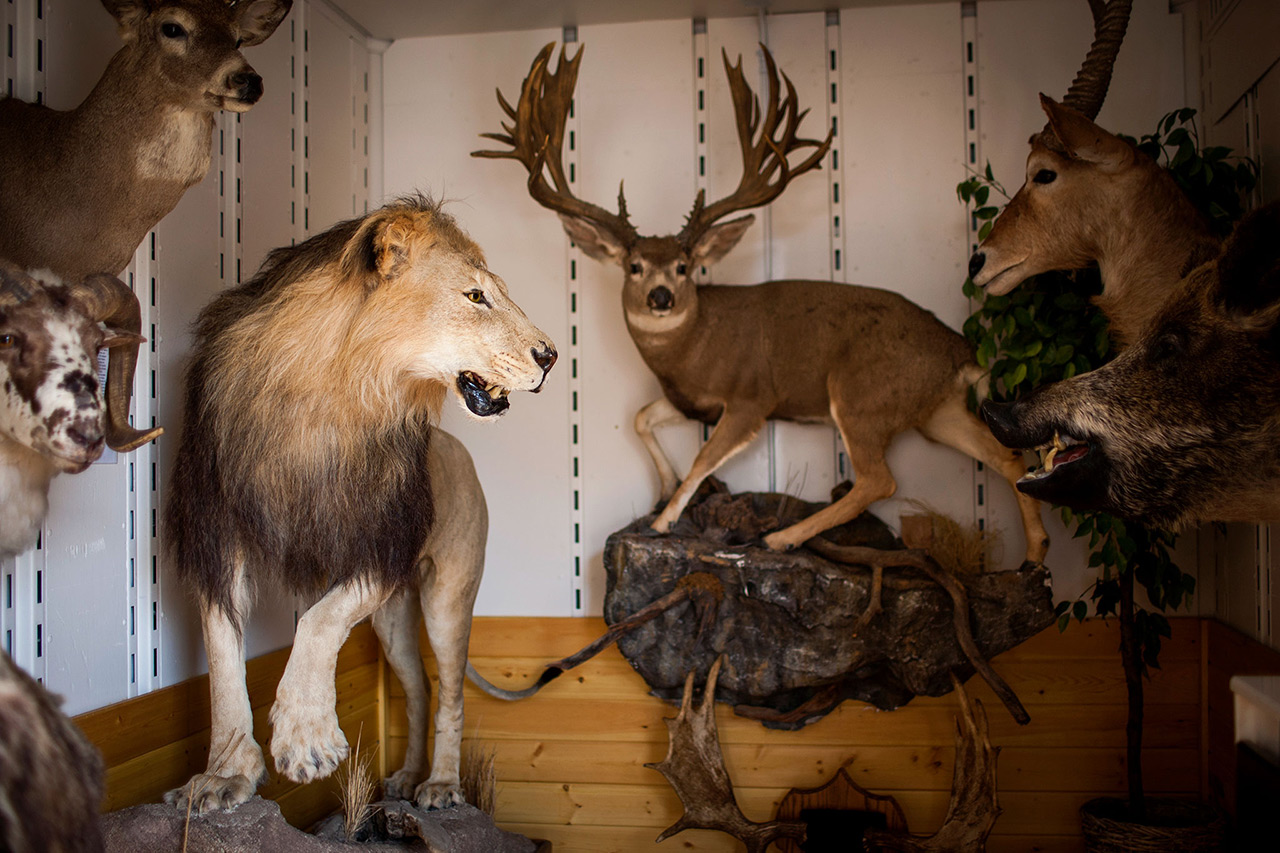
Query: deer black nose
[
  {"x": 247, "y": 85},
  {"x": 544, "y": 357},
  {"x": 976, "y": 262},
  {"x": 661, "y": 299}
]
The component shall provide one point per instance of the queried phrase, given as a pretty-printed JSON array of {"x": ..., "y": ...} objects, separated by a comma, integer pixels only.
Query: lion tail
[{"x": 550, "y": 674}]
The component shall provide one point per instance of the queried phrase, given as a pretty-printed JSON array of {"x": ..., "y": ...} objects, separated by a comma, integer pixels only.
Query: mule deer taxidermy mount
[
  {"x": 1091, "y": 197},
  {"x": 868, "y": 361},
  {"x": 80, "y": 189}
]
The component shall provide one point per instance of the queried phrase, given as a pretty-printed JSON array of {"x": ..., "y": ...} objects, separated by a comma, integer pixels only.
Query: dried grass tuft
[
  {"x": 357, "y": 789},
  {"x": 959, "y": 548},
  {"x": 479, "y": 780}
]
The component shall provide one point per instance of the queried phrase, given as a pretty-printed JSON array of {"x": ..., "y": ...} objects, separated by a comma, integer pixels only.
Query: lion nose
[
  {"x": 544, "y": 357},
  {"x": 976, "y": 262}
]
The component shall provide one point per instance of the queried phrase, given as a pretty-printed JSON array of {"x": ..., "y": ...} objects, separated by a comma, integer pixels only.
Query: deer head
[
  {"x": 189, "y": 50},
  {"x": 659, "y": 293},
  {"x": 1077, "y": 176}
]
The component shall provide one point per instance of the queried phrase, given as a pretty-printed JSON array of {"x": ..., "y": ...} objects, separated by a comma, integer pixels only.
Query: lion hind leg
[
  {"x": 236, "y": 766},
  {"x": 397, "y": 627}
]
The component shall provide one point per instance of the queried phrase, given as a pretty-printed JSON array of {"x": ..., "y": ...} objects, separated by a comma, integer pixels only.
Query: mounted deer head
[
  {"x": 1089, "y": 197},
  {"x": 80, "y": 189},
  {"x": 866, "y": 361}
]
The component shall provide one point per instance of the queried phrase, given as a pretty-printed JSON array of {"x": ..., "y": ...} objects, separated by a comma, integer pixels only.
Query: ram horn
[{"x": 108, "y": 300}]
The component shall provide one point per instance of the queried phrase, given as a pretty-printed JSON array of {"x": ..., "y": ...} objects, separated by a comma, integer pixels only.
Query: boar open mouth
[
  {"x": 484, "y": 399},
  {"x": 1062, "y": 450}
]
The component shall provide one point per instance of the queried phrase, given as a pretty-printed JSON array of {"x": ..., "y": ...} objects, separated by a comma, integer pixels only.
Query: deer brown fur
[
  {"x": 80, "y": 189},
  {"x": 867, "y": 361}
]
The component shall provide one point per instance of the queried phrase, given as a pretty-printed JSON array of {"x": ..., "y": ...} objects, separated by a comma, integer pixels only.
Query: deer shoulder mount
[{"x": 867, "y": 361}]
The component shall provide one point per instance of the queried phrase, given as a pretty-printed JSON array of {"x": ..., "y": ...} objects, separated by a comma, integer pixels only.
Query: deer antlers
[
  {"x": 761, "y": 158},
  {"x": 536, "y": 137}
]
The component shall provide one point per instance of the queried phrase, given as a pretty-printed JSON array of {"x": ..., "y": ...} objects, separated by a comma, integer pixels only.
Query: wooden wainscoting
[
  {"x": 570, "y": 761},
  {"x": 156, "y": 742}
]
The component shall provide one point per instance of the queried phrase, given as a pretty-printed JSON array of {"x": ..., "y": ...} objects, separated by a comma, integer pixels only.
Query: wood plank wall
[
  {"x": 570, "y": 761},
  {"x": 156, "y": 742}
]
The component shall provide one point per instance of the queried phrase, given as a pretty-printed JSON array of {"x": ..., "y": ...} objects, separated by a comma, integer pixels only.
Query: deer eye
[
  {"x": 171, "y": 30},
  {"x": 635, "y": 268},
  {"x": 477, "y": 296},
  {"x": 1045, "y": 176},
  {"x": 682, "y": 268}
]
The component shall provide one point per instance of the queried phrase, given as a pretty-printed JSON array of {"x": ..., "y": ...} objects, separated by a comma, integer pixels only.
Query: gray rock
[
  {"x": 787, "y": 622},
  {"x": 258, "y": 826}
]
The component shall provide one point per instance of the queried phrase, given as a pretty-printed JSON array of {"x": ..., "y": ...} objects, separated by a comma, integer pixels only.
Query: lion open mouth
[
  {"x": 1062, "y": 451},
  {"x": 483, "y": 399}
]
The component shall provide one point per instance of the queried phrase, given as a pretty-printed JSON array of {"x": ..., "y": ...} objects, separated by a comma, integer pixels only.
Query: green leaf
[
  {"x": 984, "y": 231},
  {"x": 1015, "y": 378},
  {"x": 989, "y": 176},
  {"x": 1063, "y": 621},
  {"x": 988, "y": 212},
  {"x": 1080, "y": 611},
  {"x": 981, "y": 195}
]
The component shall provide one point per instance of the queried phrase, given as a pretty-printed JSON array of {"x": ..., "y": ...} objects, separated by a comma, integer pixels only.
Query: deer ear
[
  {"x": 1248, "y": 288},
  {"x": 717, "y": 240},
  {"x": 597, "y": 242},
  {"x": 1082, "y": 138},
  {"x": 258, "y": 20},
  {"x": 127, "y": 14}
]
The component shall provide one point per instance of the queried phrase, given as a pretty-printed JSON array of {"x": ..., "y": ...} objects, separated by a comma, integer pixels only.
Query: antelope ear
[
  {"x": 718, "y": 240},
  {"x": 1248, "y": 288},
  {"x": 1083, "y": 139},
  {"x": 127, "y": 14},
  {"x": 258, "y": 20},
  {"x": 597, "y": 242}
]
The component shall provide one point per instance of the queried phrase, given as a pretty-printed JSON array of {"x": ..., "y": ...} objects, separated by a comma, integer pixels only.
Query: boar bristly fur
[{"x": 1183, "y": 426}]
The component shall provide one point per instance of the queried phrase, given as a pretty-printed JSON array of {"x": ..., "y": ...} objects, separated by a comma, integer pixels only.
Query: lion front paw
[
  {"x": 206, "y": 793},
  {"x": 439, "y": 795},
  {"x": 306, "y": 742}
]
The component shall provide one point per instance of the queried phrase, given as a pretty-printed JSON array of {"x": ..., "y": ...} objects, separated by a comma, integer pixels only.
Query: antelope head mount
[{"x": 1092, "y": 197}]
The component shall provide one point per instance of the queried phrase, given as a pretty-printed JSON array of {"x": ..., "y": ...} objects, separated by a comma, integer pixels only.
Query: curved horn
[
  {"x": 1089, "y": 89},
  {"x": 106, "y": 299}
]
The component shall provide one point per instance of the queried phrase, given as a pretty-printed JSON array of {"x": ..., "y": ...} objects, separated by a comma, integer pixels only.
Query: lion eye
[
  {"x": 1045, "y": 176},
  {"x": 477, "y": 296}
]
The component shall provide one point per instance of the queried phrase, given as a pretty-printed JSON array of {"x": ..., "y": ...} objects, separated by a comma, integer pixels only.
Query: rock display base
[
  {"x": 788, "y": 623},
  {"x": 258, "y": 825}
]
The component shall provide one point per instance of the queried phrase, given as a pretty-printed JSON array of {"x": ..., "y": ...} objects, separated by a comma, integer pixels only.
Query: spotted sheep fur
[{"x": 53, "y": 416}]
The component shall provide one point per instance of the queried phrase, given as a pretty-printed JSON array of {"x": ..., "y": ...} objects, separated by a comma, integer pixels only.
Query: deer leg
[
  {"x": 397, "y": 627},
  {"x": 872, "y": 482},
  {"x": 659, "y": 413},
  {"x": 954, "y": 425},
  {"x": 735, "y": 431}
]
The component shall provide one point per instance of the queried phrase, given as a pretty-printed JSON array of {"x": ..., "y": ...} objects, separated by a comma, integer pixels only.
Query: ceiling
[{"x": 393, "y": 19}]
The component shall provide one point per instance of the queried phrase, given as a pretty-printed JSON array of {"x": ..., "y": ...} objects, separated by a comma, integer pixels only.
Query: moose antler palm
[{"x": 867, "y": 361}]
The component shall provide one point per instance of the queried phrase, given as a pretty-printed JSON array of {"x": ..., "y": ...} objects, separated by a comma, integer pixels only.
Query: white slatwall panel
[{"x": 438, "y": 96}]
